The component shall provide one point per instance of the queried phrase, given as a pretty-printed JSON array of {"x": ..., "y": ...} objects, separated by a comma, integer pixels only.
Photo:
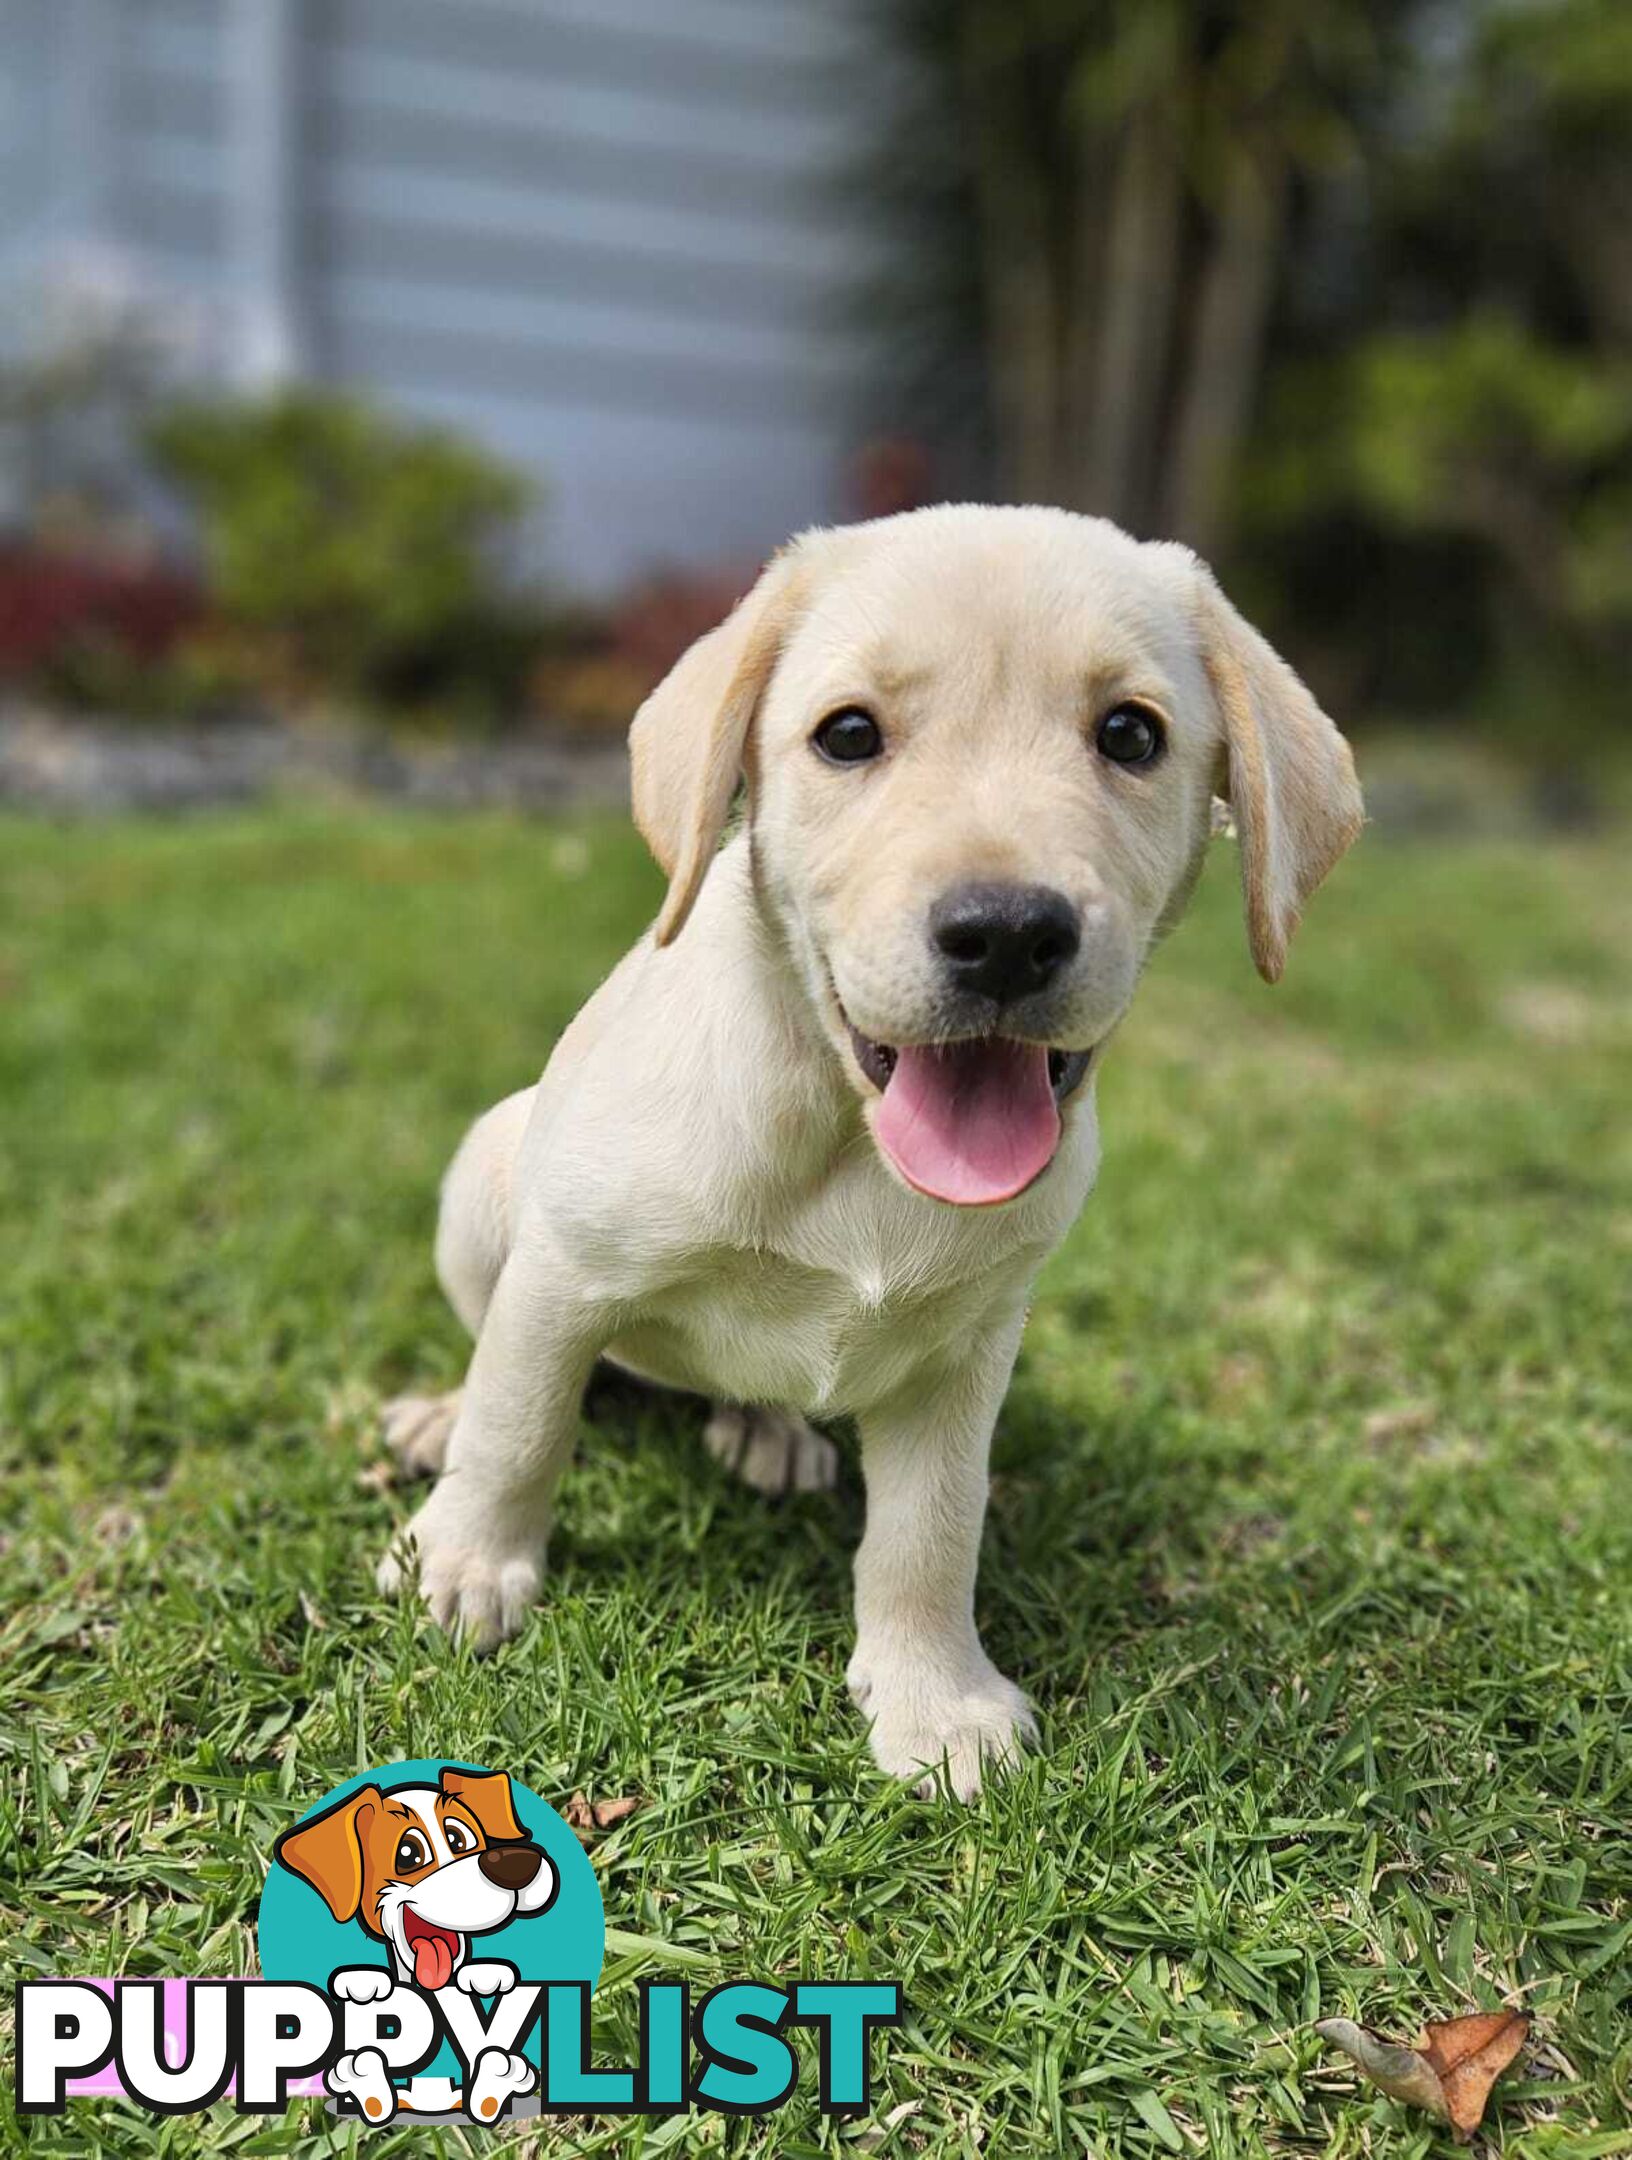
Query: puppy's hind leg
[
  {"x": 473, "y": 1226},
  {"x": 416, "y": 1430},
  {"x": 472, "y": 1241},
  {"x": 775, "y": 1451}
]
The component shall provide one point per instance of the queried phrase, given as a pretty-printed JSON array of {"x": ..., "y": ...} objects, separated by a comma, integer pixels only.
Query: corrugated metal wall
[
  {"x": 29, "y": 85},
  {"x": 600, "y": 234},
  {"x": 173, "y": 98}
]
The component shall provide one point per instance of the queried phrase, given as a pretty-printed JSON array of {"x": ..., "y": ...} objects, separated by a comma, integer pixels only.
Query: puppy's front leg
[
  {"x": 919, "y": 1672},
  {"x": 479, "y": 1538}
]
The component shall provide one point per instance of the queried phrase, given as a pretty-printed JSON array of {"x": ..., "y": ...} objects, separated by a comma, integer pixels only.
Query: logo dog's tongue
[
  {"x": 973, "y": 1122},
  {"x": 433, "y": 1959}
]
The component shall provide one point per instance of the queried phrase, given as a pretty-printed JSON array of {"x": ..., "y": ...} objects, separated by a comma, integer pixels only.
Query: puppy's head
[
  {"x": 981, "y": 748},
  {"x": 424, "y": 1867}
]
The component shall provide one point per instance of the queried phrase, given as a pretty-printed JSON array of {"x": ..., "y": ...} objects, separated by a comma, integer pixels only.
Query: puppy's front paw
[
  {"x": 940, "y": 1728},
  {"x": 492, "y": 1977},
  {"x": 478, "y": 1575},
  {"x": 363, "y": 1983}
]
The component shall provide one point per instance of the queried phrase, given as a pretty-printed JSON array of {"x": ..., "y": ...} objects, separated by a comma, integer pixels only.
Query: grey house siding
[{"x": 599, "y": 234}]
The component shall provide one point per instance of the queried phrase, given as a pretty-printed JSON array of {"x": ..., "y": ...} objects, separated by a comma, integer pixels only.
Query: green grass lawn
[{"x": 1311, "y": 1529}]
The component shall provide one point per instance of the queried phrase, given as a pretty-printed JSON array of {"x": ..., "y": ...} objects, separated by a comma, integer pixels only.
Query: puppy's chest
[{"x": 828, "y": 1318}]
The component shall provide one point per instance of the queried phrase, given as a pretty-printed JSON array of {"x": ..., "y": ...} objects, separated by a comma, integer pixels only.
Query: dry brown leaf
[
  {"x": 1449, "y": 2072},
  {"x": 583, "y": 1814},
  {"x": 608, "y": 1812}
]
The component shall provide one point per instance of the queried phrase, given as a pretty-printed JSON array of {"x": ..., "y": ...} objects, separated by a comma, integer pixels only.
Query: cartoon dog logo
[{"x": 425, "y": 1869}]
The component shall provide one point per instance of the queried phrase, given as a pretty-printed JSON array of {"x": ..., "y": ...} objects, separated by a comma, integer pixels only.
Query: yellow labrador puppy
[{"x": 807, "y": 1148}]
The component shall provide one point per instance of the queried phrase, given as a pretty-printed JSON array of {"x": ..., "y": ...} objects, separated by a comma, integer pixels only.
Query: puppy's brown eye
[
  {"x": 459, "y": 1838},
  {"x": 1130, "y": 736},
  {"x": 848, "y": 737},
  {"x": 412, "y": 1852}
]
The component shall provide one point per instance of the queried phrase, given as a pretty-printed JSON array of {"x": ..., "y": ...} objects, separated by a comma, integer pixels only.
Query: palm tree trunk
[
  {"x": 1226, "y": 348},
  {"x": 1016, "y": 277},
  {"x": 1117, "y": 360}
]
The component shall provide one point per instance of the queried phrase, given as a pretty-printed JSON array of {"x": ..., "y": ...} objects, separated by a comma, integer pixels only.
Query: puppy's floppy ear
[
  {"x": 328, "y": 1851},
  {"x": 686, "y": 744},
  {"x": 487, "y": 1795},
  {"x": 1290, "y": 778}
]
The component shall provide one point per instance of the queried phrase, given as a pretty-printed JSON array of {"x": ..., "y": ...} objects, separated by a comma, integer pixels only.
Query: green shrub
[{"x": 362, "y": 553}]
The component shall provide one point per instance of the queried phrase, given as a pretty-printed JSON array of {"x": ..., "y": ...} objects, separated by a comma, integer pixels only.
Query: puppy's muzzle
[
  {"x": 512, "y": 1867},
  {"x": 1004, "y": 942}
]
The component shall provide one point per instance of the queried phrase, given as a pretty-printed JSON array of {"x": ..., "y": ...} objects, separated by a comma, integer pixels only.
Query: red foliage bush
[
  {"x": 671, "y": 610},
  {"x": 52, "y": 605}
]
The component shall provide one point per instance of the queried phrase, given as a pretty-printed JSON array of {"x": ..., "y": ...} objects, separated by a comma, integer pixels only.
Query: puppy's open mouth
[
  {"x": 432, "y": 1948},
  {"x": 972, "y": 1122}
]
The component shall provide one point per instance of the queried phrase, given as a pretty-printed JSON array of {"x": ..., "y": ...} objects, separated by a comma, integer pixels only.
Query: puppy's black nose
[
  {"x": 1004, "y": 941},
  {"x": 512, "y": 1867}
]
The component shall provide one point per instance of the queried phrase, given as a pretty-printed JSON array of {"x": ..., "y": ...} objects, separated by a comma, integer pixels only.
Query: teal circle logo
[{"x": 444, "y": 1877}]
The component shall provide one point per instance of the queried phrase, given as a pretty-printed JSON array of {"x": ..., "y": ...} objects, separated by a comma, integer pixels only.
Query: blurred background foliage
[
  {"x": 357, "y": 557},
  {"x": 1338, "y": 291}
]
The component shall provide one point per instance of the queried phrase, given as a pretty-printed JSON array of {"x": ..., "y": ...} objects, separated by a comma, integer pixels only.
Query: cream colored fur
[{"x": 692, "y": 1188}]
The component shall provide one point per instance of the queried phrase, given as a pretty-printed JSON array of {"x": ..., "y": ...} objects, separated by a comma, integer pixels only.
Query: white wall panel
[{"x": 599, "y": 234}]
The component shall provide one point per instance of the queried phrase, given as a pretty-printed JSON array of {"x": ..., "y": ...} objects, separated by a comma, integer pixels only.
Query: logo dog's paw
[
  {"x": 486, "y": 1977},
  {"x": 364, "y": 2078},
  {"x": 363, "y": 1983},
  {"x": 498, "y": 2077}
]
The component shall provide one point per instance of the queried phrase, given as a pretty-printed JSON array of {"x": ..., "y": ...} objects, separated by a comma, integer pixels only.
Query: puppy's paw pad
[
  {"x": 775, "y": 1451},
  {"x": 416, "y": 1429}
]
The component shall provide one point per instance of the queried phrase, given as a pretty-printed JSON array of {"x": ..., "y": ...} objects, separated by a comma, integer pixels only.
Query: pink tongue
[
  {"x": 974, "y": 1122},
  {"x": 433, "y": 1962}
]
